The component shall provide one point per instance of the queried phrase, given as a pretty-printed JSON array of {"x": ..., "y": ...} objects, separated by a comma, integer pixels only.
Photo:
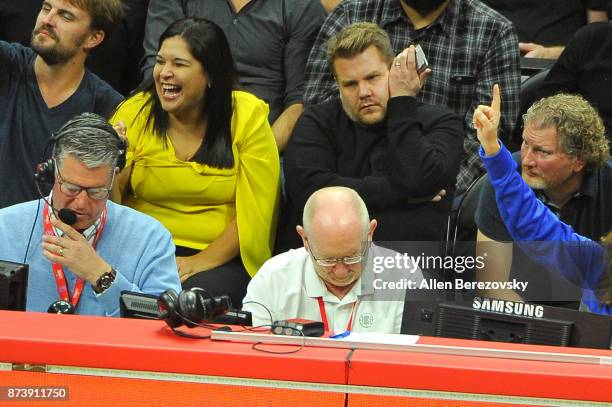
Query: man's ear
[
  {"x": 95, "y": 38},
  {"x": 580, "y": 163},
  {"x": 373, "y": 225},
  {"x": 300, "y": 231}
]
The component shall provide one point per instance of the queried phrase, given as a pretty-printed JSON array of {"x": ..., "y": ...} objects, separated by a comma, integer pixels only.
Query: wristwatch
[{"x": 104, "y": 281}]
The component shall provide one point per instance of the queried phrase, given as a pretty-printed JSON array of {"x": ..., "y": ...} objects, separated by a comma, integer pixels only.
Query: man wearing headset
[{"x": 109, "y": 248}]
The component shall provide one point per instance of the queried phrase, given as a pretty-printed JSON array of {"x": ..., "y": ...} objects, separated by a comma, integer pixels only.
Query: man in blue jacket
[
  {"x": 565, "y": 159},
  {"x": 105, "y": 248}
]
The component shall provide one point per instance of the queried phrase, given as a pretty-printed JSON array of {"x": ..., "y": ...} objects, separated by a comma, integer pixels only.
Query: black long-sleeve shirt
[
  {"x": 585, "y": 67},
  {"x": 415, "y": 152}
]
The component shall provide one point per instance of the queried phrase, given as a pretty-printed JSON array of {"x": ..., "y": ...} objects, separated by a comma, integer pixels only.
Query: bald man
[{"x": 337, "y": 277}]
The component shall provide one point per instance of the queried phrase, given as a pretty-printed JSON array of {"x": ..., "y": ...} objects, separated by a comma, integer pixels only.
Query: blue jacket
[
  {"x": 529, "y": 221},
  {"x": 137, "y": 246}
]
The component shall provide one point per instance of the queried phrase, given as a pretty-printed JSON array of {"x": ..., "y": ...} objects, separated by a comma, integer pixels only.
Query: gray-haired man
[{"x": 109, "y": 248}]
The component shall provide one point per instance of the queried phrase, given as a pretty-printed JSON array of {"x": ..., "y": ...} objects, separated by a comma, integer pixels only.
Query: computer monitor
[
  {"x": 507, "y": 321},
  {"x": 13, "y": 285}
]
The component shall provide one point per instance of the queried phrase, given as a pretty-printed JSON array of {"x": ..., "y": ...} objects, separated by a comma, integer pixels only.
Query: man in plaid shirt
[{"x": 469, "y": 47}]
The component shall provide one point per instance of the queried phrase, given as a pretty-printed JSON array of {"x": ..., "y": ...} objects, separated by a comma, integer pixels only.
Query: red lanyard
[
  {"x": 324, "y": 314},
  {"x": 58, "y": 269}
]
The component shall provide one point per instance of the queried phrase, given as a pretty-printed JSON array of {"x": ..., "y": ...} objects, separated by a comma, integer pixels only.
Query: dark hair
[
  {"x": 105, "y": 14},
  {"x": 208, "y": 44}
]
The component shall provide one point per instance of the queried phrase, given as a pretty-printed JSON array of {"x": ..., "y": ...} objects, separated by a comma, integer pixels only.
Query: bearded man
[
  {"x": 44, "y": 86},
  {"x": 564, "y": 158}
]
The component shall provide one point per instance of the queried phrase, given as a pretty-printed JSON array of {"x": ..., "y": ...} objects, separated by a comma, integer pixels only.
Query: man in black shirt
[
  {"x": 115, "y": 61},
  {"x": 544, "y": 27},
  {"x": 44, "y": 86},
  {"x": 584, "y": 68},
  {"x": 378, "y": 139}
]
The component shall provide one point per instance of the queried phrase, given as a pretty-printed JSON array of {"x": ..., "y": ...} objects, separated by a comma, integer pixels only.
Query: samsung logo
[{"x": 508, "y": 307}]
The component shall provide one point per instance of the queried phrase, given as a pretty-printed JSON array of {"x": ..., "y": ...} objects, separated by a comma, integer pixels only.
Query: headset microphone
[{"x": 65, "y": 215}]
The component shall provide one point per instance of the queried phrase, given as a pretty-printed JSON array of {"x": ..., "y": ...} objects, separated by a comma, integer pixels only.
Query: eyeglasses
[
  {"x": 73, "y": 190},
  {"x": 332, "y": 261}
]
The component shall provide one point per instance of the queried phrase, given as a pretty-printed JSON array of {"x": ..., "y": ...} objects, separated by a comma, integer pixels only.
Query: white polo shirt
[{"x": 289, "y": 286}]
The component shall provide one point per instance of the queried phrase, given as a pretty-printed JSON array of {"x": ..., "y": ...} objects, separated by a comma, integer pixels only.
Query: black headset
[
  {"x": 45, "y": 171},
  {"x": 191, "y": 307}
]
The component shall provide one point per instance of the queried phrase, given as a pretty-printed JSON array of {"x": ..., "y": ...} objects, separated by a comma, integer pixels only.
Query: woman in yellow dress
[{"x": 202, "y": 160}]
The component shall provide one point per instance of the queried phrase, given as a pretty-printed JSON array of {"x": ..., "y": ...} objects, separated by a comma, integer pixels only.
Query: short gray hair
[
  {"x": 90, "y": 139},
  {"x": 316, "y": 202}
]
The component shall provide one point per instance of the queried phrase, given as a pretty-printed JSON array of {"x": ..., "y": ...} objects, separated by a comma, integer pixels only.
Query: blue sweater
[
  {"x": 138, "y": 247},
  {"x": 529, "y": 220}
]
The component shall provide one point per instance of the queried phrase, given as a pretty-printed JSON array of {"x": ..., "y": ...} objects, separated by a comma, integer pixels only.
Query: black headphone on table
[
  {"x": 190, "y": 307},
  {"x": 45, "y": 171}
]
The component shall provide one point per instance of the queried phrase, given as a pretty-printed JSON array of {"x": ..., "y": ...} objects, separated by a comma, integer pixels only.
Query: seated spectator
[
  {"x": 44, "y": 86},
  {"x": 202, "y": 160},
  {"x": 330, "y": 279},
  {"x": 269, "y": 39},
  {"x": 528, "y": 219},
  {"x": 545, "y": 26},
  {"x": 116, "y": 60},
  {"x": 565, "y": 161},
  {"x": 469, "y": 48},
  {"x": 378, "y": 139},
  {"x": 585, "y": 68},
  {"x": 107, "y": 249}
]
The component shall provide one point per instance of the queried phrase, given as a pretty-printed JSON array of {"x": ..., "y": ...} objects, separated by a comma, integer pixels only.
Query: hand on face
[
  {"x": 404, "y": 80},
  {"x": 486, "y": 122},
  {"x": 74, "y": 251}
]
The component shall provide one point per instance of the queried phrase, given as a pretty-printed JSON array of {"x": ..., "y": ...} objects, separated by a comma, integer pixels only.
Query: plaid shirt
[{"x": 469, "y": 48}]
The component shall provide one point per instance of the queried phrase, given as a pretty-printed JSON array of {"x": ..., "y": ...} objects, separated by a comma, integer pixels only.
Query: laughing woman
[{"x": 202, "y": 160}]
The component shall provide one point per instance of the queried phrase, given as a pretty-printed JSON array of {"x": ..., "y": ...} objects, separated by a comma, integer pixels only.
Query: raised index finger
[{"x": 496, "y": 103}]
